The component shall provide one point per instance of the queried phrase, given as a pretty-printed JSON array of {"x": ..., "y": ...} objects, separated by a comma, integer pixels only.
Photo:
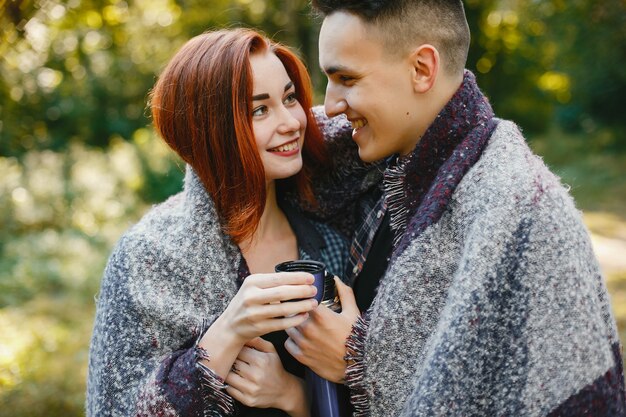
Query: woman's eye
[
  {"x": 291, "y": 98},
  {"x": 259, "y": 111}
]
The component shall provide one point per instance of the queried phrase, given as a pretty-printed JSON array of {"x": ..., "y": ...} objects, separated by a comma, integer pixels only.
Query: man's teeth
[
  {"x": 286, "y": 147},
  {"x": 356, "y": 124}
]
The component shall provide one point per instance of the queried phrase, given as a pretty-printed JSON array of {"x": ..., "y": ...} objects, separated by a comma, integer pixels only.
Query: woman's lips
[{"x": 287, "y": 149}]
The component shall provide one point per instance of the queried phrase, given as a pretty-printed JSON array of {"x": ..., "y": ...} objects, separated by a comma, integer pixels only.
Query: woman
[{"x": 188, "y": 290}]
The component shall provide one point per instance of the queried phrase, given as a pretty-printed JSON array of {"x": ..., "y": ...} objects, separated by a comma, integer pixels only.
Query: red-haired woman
[{"x": 236, "y": 108}]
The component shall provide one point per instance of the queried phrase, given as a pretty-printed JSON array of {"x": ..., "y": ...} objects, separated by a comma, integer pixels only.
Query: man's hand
[{"x": 320, "y": 342}]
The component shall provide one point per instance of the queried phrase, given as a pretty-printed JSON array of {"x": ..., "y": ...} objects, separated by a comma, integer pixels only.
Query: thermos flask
[{"x": 325, "y": 401}]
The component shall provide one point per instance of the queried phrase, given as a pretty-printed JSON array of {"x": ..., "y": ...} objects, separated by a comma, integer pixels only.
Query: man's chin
[{"x": 367, "y": 155}]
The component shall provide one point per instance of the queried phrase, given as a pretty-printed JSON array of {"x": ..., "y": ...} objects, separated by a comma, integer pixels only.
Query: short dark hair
[{"x": 401, "y": 23}]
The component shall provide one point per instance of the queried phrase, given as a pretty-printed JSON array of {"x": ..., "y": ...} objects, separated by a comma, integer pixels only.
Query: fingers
[
  {"x": 235, "y": 386},
  {"x": 346, "y": 296},
  {"x": 231, "y": 386},
  {"x": 256, "y": 295},
  {"x": 294, "y": 335},
  {"x": 261, "y": 345},
  {"x": 294, "y": 350},
  {"x": 241, "y": 366},
  {"x": 286, "y": 293},
  {"x": 270, "y": 323},
  {"x": 289, "y": 309},
  {"x": 320, "y": 315},
  {"x": 280, "y": 278},
  {"x": 249, "y": 356},
  {"x": 287, "y": 322}
]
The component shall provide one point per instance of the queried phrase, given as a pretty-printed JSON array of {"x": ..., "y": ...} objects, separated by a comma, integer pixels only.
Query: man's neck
[{"x": 436, "y": 99}]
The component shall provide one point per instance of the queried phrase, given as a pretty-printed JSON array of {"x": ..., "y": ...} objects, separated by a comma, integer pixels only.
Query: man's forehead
[
  {"x": 342, "y": 25},
  {"x": 342, "y": 41}
]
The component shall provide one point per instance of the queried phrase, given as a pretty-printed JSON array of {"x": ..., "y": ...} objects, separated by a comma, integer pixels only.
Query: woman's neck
[
  {"x": 273, "y": 222},
  {"x": 273, "y": 241}
]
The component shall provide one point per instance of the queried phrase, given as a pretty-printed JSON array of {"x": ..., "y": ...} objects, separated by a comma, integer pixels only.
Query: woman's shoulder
[
  {"x": 159, "y": 222},
  {"x": 147, "y": 240},
  {"x": 171, "y": 232},
  {"x": 178, "y": 224},
  {"x": 168, "y": 255}
]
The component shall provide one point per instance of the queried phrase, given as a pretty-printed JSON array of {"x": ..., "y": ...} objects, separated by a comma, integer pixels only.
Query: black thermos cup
[{"x": 325, "y": 400}]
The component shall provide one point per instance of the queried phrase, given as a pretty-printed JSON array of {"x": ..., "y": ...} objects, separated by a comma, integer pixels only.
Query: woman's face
[{"x": 278, "y": 119}]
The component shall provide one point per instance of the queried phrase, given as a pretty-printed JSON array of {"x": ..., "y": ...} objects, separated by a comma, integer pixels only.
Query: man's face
[{"x": 372, "y": 88}]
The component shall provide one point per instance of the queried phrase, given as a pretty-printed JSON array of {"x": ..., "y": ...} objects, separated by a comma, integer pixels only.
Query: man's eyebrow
[
  {"x": 265, "y": 96},
  {"x": 334, "y": 68}
]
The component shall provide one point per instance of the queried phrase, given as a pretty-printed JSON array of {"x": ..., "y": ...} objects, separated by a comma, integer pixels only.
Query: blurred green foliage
[
  {"x": 79, "y": 71},
  {"x": 79, "y": 161}
]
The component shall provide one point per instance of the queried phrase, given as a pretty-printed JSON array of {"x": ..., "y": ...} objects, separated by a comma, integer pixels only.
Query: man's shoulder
[
  {"x": 507, "y": 146},
  {"x": 508, "y": 161},
  {"x": 509, "y": 174}
]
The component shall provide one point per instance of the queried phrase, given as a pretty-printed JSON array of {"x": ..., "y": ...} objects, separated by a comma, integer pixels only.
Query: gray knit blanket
[
  {"x": 168, "y": 278},
  {"x": 493, "y": 303},
  {"x": 498, "y": 309}
]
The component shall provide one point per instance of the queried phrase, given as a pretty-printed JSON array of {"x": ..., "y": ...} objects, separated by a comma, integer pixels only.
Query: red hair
[{"x": 201, "y": 106}]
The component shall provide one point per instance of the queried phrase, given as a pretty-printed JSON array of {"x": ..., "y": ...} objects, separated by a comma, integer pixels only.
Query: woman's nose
[{"x": 289, "y": 122}]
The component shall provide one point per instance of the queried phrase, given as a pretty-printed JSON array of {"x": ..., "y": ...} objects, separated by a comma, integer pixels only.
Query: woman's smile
[{"x": 287, "y": 149}]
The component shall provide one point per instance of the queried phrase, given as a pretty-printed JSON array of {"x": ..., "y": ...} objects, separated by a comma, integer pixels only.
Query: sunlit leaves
[
  {"x": 556, "y": 83},
  {"x": 61, "y": 209}
]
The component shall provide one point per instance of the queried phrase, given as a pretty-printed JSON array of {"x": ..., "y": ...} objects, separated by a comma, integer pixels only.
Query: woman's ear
[{"x": 425, "y": 62}]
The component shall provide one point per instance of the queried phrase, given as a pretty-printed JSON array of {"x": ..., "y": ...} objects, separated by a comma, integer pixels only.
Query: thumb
[
  {"x": 346, "y": 297},
  {"x": 261, "y": 345}
]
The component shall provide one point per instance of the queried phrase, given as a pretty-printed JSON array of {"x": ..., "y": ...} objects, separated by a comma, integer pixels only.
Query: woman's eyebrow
[{"x": 265, "y": 96}]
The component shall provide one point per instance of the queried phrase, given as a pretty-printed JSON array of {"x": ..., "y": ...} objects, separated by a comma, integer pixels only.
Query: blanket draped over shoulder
[
  {"x": 493, "y": 303},
  {"x": 168, "y": 278}
]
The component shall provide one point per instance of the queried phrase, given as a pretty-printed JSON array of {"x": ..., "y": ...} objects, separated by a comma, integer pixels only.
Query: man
[{"x": 492, "y": 302}]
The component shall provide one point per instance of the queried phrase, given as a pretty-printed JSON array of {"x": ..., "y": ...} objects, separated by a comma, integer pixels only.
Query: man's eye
[
  {"x": 259, "y": 111},
  {"x": 345, "y": 78}
]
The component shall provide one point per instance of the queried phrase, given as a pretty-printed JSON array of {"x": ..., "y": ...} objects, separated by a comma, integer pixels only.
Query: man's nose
[{"x": 334, "y": 102}]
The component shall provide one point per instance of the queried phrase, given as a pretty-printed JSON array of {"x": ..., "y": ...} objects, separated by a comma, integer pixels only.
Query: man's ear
[{"x": 425, "y": 61}]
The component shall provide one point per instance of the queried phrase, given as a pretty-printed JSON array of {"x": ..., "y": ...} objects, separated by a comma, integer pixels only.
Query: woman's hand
[
  {"x": 258, "y": 379},
  {"x": 258, "y": 306},
  {"x": 258, "y": 309}
]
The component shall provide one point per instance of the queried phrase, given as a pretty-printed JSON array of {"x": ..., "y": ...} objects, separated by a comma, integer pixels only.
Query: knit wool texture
[
  {"x": 493, "y": 303},
  {"x": 169, "y": 277},
  {"x": 499, "y": 308},
  {"x": 157, "y": 290}
]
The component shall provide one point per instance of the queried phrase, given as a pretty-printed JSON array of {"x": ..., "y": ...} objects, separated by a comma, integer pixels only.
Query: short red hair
[{"x": 201, "y": 106}]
